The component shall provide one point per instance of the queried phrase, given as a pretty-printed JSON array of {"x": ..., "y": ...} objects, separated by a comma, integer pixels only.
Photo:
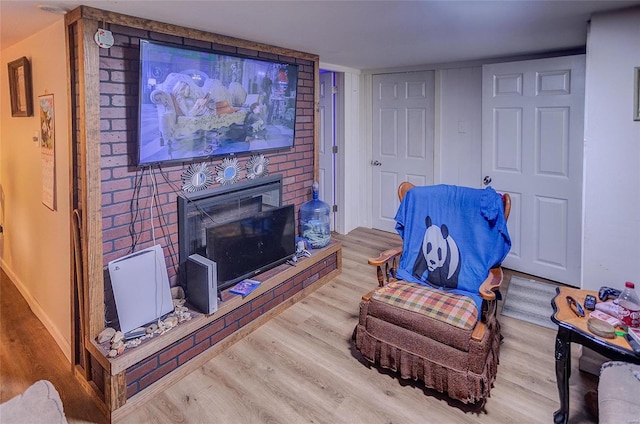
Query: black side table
[{"x": 572, "y": 328}]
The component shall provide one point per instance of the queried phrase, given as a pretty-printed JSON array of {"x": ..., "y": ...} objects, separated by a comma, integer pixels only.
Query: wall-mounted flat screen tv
[{"x": 195, "y": 104}]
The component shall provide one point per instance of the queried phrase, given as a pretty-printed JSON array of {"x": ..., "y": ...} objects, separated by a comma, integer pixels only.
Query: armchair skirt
[{"x": 444, "y": 356}]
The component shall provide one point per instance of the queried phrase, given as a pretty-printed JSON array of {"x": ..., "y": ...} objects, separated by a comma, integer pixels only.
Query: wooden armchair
[{"x": 445, "y": 336}]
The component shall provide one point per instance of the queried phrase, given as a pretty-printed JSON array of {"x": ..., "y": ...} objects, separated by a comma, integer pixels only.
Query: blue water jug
[{"x": 315, "y": 225}]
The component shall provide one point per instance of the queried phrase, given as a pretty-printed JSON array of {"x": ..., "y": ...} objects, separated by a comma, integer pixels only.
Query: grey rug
[
  {"x": 40, "y": 403},
  {"x": 530, "y": 300}
]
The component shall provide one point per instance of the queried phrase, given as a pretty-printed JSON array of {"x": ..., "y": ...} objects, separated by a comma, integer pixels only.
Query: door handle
[
  {"x": 376, "y": 163},
  {"x": 487, "y": 180}
]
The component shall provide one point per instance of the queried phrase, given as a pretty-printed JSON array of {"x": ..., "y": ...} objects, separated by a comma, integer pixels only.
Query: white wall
[
  {"x": 611, "y": 222},
  {"x": 611, "y": 231},
  {"x": 35, "y": 245},
  {"x": 459, "y": 127}
]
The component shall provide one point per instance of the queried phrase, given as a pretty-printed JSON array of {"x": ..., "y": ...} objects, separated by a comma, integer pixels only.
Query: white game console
[{"x": 140, "y": 287}]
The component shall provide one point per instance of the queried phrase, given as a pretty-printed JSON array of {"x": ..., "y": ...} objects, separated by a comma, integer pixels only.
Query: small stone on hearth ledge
[
  {"x": 177, "y": 292},
  {"x": 171, "y": 321},
  {"x": 106, "y": 335},
  {"x": 117, "y": 345},
  {"x": 133, "y": 342},
  {"x": 118, "y": 336}
]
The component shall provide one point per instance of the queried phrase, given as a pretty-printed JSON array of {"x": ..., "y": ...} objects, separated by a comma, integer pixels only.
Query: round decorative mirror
[
  {"x": 257, "y": 167},
  {"x": 197, "y": 177},
  {"x": 228, "y": 172}
]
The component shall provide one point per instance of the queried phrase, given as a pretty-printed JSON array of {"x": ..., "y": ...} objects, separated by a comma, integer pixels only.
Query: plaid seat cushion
[{"x": 459, "y": 311}]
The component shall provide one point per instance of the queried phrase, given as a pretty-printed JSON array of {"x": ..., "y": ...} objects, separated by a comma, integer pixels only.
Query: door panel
[
  {"x": 552, "y": 141},
  {"x": 389, "y": 132},
  {"x": 533, "y": 116},
  {"x": 508, "y": 139},
  {"x": 552, "y": 246},
  {"x": 416, "y": 133},
  {"x": 403, "y": 122}
]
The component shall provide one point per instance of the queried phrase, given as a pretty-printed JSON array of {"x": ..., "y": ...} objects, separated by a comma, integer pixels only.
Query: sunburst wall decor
[
  {"x": 197, "y": 177},
  {"x": 257, "y": 167},
  {"x": 228, "y": 172}
]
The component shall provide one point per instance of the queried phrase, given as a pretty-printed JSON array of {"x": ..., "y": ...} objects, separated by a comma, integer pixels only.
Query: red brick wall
[{"x": 118, "y": 120}]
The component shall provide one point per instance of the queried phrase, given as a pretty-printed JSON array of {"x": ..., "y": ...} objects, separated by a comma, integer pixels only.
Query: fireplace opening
[{"x": 251, "y": 229}]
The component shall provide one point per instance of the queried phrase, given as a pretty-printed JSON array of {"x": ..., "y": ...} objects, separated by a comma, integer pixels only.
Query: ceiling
[{"x": 361, "y": 34}]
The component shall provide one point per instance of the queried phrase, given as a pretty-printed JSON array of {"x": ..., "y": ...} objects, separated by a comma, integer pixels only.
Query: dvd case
[{"x": 244, "y": 287}]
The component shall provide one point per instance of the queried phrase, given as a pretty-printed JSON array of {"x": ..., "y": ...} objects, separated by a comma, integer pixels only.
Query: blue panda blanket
[{"x": 452, "y": 236}]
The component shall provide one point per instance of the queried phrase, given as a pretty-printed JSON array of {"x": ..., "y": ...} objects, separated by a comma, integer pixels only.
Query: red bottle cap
[{"x": 629, "y": 285}]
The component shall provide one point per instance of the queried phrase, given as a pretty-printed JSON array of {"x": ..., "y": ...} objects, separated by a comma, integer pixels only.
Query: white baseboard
[{"x": 64, "y": 345}]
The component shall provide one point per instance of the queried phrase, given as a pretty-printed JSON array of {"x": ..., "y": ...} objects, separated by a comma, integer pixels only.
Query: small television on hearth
[
  {"x": 248, "y": 246},
  {"x": 196, "y": 103}
]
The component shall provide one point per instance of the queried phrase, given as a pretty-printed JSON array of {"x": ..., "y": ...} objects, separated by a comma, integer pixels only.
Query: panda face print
[
  {"x": 439, "y": 253},
  {"x": 434, "y": 247}
]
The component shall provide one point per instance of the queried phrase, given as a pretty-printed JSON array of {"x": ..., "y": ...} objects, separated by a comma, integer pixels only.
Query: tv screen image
[
  {"x": 195, "y": 104},
  {"x": 248, "y": 246}
]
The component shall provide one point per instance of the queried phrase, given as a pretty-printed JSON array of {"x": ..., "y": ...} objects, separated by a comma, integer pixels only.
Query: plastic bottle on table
[{"x": 629, "y": 306}]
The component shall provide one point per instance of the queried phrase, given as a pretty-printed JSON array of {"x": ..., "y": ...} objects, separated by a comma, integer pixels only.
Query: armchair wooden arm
[
  {"x": 491, "y": 285},
  {"x": 487, "y": 292},
  {"x": 386, "y": 264},
  {"x": 385, "y": 256}
]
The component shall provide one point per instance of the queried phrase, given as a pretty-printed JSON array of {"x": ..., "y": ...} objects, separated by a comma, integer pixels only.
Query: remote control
[{"x": 590, "y": 302}]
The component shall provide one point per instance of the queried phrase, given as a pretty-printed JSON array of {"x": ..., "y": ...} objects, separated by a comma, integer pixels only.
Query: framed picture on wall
[
  {"x": 20, "y": 87},
  {"x": 47, "y": 150},
  {"x": 636, "y": 94}
]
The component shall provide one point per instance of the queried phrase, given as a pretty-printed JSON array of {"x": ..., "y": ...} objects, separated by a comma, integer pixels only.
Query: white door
[
  {"x": 326, "y": 168},
  {"x": 403, "y": 134},
  {"x": 532, "y": 148}
]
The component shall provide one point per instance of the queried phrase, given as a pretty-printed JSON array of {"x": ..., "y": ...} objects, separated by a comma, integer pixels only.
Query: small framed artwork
[
  {"x": 47, "y": 150},
  {"x": 20, "y": 87},
  {"x": 636, "y": 94}
]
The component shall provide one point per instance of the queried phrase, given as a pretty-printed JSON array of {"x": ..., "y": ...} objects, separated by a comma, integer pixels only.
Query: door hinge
[
  {"x": 334, "y": 90},
  {"x": 335, "y": 149},
  {"x": 335, "y": 208}
]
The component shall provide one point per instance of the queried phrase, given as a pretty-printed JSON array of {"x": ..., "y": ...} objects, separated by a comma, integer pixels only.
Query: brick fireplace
[
  {"x": 116, "y": 199},
  {"x": 124, "y": 185}
]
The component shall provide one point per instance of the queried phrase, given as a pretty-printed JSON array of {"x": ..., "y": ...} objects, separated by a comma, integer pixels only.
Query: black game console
[{"x": 202, "y": 284}]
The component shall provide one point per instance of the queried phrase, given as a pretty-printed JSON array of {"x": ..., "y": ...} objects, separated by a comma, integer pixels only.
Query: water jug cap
[{"x": 629, "y": 285}]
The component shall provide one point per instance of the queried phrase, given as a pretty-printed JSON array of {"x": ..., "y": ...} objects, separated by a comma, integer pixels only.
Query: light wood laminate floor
[{"x": 300, "y": 367}]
